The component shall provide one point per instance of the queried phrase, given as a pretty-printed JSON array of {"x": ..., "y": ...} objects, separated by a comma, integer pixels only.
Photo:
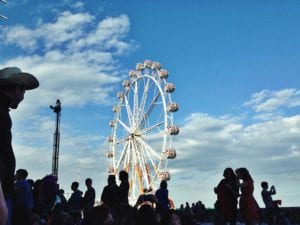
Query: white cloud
[
  {"x": 67, "y": 27},
  {"x": 78, "y": 5},
  {"x": 20, "y": 36},
  {"x": 270, "y": 150},
  {"x": 268, "y": 101},
  {"x": 78, "y": 74},
  {"x": 107, "y": 36}
]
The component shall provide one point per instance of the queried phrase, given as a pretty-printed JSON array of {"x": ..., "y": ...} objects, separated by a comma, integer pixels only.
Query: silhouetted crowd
[{"x": 41, "y": 202}]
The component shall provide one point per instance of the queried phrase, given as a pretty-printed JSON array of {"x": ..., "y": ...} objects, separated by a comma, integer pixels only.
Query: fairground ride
[{"x": 142, "y": 129}]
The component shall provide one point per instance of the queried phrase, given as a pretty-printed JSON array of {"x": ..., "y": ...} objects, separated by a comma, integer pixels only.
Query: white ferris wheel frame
[{"x": 136, "y": 152}]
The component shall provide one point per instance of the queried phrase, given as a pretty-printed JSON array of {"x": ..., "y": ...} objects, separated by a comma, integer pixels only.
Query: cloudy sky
[{"x": 235, "y": 64}]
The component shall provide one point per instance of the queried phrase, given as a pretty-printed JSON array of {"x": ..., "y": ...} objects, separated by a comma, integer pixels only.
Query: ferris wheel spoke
[
  {"x": 128, "y": 109},
  {"x": 137, "y": 168},
  {"x": 124, "y": 126},
  {"x": 135, "y": 104},
  {"x": 160, "y": 131},
  {"x": 150, "y": 108},
  {"x": 128, "y": 155},
  {"x": 144, "y": 98},
  {"x": 122, "y": 155},
  {"x": 151, "y": 161},
  {"x": 148, "y": 147},
  {"x": 133, "y": 153},
  {"x": 152, "y": 104},
  {"x": 118, "y": 142},
  {"x": 152, "y": 127},
  {"x": 140, "y": 155},
  {"x": 143, "y": 164},
  {"x": 140, "y": 164}
]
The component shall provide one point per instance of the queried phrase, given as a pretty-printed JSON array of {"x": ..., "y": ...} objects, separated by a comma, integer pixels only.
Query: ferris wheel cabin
[
  {"x": 163, "y": 74},
  {"x": 173, "y": 130},
  {"x": 173, "y": 107},
  {"x": 126, "y": 83},
  {"x": 169, "y": 87},
  {"x": 164, "y": 176},
  {"x": 170, "y": 153}
]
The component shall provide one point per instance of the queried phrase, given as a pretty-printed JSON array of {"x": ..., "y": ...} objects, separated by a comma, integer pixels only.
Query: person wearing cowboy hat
[{"x": 13, "y": 84}]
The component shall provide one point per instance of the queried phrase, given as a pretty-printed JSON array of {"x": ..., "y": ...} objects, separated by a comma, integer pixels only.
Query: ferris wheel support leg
[
  {"x": 148, "y": 174},
  {"x": 140, "y": 176}
]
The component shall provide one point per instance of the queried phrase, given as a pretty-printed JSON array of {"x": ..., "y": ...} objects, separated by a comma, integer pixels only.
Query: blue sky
[{"x": 235, "y": 65}]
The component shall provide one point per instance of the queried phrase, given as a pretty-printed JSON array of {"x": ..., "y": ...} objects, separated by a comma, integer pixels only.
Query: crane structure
[{"x": 56, "y": 137}]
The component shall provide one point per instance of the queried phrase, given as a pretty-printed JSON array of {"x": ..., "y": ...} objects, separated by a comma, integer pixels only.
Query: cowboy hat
[{"x": 14, "y": 76}]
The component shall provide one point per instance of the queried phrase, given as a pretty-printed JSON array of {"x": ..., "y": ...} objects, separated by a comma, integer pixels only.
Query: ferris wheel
[{"x": 142, "y": 129}]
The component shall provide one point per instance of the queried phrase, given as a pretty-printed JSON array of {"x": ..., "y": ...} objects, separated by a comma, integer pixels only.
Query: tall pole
[{"x": 56, "y": 109}]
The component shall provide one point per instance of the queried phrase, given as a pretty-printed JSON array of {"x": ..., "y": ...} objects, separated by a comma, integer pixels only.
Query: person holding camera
[{"x": 272, "y": 208}]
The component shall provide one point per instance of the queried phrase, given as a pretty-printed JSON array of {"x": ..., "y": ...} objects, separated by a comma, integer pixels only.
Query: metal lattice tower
[{"x": 56, "y": 137}]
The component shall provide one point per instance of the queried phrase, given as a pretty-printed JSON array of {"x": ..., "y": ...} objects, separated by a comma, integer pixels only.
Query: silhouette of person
[
  {"x": 23, "y": 202},
  {"x": 48, "y": 190},
  {"x": 227, "y": 193},
  {"x": 63, "y": 200},
  {"x": 31, "y": 182},
  {"x": 89, "y": 196},
  {"x": 36, "y": 193},
  {"x": 124, "y": 187},
  {"x": 75, "y": 203},
  {"x": 249, "y": 209},
  {"x": 272, "y": 208},
  {"x": 3, "y": 208},
  {"x": 146, "y": 198},
  {"x": 13, "y": 84},
  {"x": 110, "y": 192},
  {"x": 23, "y": 190},
  {"x": 162, "y": 195}
]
